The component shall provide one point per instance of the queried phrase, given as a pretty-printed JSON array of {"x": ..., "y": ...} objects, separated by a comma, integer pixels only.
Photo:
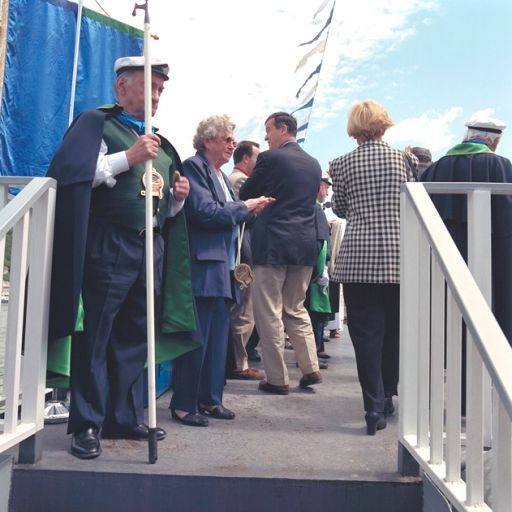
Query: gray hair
[
  {"x": 211, "y": 128},
  {"x": 488, "y": 137}
]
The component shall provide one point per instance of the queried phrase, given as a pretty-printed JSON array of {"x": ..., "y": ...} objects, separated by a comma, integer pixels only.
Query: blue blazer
[{"x": 211, "y": 220}]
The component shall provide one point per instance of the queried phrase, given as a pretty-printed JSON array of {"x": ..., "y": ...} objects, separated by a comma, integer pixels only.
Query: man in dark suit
[{"x": 284, "y": 248}]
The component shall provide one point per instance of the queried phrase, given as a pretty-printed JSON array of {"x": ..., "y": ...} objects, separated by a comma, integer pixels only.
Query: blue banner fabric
[{"x": 38, "y": 74}]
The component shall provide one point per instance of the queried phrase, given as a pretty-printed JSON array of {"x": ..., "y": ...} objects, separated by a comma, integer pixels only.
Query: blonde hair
[
  {"x": 368, "y": 120},
  {"x": 210, "y": 128}
]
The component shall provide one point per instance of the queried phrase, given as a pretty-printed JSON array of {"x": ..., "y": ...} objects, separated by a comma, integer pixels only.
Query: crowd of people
[{"x": 252, "y": 256}]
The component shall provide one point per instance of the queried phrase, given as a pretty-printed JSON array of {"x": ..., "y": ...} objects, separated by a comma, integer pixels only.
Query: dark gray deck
[{"x": 313, "y": 442}]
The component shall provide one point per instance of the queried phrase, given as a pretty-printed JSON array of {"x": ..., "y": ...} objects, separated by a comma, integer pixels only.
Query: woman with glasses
[{"x": 213, "y": 215}]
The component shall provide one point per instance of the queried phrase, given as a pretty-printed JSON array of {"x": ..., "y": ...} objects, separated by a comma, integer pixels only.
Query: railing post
[
  {"x": 409, "y": 233},
  {"x": 424, "y": 328},
  {"x": 15, "y": 321},
  {"x": 479, "y": 415},
  {"x": 30, "y": 450},
  {"x": 480, "y": 265},
  {"x": 437, "y": 340},
  {"x": 38, "y": 292},
  {"x": 453, "y": 391},
  {"x": 501, "y": 460}
]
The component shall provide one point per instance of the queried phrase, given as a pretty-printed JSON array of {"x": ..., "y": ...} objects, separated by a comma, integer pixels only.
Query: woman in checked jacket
[{"x": 366, "y": 192}]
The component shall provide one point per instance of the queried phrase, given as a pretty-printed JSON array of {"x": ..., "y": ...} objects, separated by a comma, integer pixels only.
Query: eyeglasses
[{"x": 229, "y": 140}]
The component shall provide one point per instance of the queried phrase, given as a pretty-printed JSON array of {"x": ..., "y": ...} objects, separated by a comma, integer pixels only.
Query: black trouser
[
  {"x": 107, "y": 359},
  {"x": 317, "y": 324},
  {"x": 373, "y": 315}
]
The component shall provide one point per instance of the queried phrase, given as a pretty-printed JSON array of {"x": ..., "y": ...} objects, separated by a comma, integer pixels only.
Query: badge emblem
[
  {"x": 243, "y": 275},
  {"x": 157, "y": 184}
]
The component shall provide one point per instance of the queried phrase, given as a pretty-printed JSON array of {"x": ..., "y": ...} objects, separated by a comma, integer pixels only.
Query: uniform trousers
[
  {"x": 108, "y": 358},
  {"x": 278, "y": 293},
  {"x": 198, "y": 375},
  {"x": 373, "y": 316}
]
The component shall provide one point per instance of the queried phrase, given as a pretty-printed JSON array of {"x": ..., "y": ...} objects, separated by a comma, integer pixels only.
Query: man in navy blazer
[{"x": 285, "y": 249}]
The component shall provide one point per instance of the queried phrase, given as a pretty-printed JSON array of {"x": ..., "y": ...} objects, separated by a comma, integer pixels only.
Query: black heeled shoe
[
  {"x": 389, "y": 408},
  {"x": 374, "y": 421},
  {"x": 217, "y": 411},
  {"x": 190, "y": 419}
]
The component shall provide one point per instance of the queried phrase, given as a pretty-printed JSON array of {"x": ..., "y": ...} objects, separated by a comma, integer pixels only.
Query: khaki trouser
[
  {"x": 278, "y": 293},
  {"x": 242, "y": 325}
]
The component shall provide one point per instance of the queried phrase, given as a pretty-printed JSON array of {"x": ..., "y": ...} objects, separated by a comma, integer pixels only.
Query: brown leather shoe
[
  {"x": 310, "y": 379},
  {"x": 249, "y": 374},
  {"x": 273, "y": 388}
]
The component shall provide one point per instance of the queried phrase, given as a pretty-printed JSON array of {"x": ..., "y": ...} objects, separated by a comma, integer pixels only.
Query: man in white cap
[
  {"x": 99, "y": 254},
  {"x": 474, "y": 160}
]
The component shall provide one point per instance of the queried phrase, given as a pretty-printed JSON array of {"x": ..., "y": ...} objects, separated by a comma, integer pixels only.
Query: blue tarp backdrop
[{"x": 38, "y": 74}]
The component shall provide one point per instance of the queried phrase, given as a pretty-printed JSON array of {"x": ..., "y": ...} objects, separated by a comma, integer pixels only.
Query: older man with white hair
[
  {"x": 99, "y": 254},
  {"x": 474, "y": 160}
]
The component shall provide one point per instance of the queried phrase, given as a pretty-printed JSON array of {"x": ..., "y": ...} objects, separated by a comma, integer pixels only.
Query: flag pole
[
  {"x": 152, "y": 441},
  {"x": 75, "y": 61}
]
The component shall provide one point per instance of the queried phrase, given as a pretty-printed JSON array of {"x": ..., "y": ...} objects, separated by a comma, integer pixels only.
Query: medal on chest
[{"x": 157, "y": 184}]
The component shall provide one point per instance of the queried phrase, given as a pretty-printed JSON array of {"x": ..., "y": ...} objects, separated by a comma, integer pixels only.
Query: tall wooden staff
[{"x": 152, "y": 441}]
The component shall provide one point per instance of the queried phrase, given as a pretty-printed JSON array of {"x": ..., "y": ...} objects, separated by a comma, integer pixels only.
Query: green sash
[{"x": 468, "y": 148}]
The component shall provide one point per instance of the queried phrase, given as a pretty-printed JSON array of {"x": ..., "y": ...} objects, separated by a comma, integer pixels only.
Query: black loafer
[
  {"x": 85, "y": 444},
  {"x": 139, "y": 433},
  {"x": 190, "y": 419},
  {"x": 217, "y": 411}
]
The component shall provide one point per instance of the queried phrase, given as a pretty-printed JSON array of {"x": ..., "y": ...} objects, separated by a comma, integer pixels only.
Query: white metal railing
[
  {"x": 28, "y": 217},
  {"x": 438, "y": 291}
]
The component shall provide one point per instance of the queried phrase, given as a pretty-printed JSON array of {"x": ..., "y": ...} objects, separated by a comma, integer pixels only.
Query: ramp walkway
[{"x": 280, "y": 453}]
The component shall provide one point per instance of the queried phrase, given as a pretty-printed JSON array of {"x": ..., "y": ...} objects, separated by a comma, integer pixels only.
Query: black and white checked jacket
[{"x": 366, "y": 192}]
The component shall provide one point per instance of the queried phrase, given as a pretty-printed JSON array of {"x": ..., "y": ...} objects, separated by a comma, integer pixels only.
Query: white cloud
[
  {"x": 431, "y": 129},
  {"x": 227, "y": 57},
  {"x": 359, "y": 35},
  {"x": 485, "y": 112}
]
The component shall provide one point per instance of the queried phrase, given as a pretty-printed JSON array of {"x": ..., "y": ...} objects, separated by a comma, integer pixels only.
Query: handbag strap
[{"x": 240, "y": 238}]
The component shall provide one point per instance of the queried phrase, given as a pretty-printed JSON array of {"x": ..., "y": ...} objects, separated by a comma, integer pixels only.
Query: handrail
[
  {"x": 478, "y": 317},
  {"x": 29, "y": 217},
  {"x": 430, "y": 349},
  {"x": 12, "y": 212}
]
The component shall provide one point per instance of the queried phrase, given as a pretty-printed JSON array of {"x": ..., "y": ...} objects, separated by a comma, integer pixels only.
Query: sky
[{"x": 433, "y": 64}]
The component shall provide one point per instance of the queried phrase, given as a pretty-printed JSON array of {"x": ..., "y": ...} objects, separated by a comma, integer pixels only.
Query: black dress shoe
[
  {"x": 217, "y": 411},
  {"x": 310, "y": 379},
  {"x": 389, "y": 408},
  {"x": 323, "y": 355},
  {"x": 374, "y": 421},
  {"x": 139, "y": 433},
  {"x": 190, "y": 419},
  {"x": 85, "y": 444}
]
